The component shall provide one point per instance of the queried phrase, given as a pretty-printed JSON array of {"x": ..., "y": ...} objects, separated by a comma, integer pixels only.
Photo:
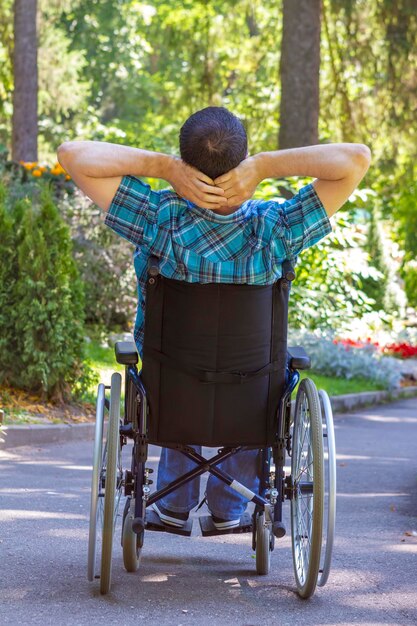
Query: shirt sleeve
[
  {"x": 133, "y": 211},
  {"x": 305, "y": 219}
]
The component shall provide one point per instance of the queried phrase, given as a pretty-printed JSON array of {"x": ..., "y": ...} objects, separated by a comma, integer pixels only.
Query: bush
[
  {"x": 104, "y": 261},
  {"x": 42, "y": 319},
  {"x": 328, "y": 291}
]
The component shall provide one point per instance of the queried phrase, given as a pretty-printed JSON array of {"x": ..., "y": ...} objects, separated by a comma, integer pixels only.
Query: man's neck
[{"x": 226, "y": 210}]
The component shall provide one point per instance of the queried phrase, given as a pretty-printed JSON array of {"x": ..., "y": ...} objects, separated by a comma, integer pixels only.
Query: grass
[
  {"x": 341, "y": 386},
  {"x": 103, "y": 362}
]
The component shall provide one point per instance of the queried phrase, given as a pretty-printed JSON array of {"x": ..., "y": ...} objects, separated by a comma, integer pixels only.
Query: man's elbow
[
  {"x": 63, "y": 153},
  {"x": 67, "y": 153},
  {"x": 362, "y": 157}
]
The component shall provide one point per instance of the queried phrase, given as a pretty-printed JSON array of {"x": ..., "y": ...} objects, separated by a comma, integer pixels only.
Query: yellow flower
[
  {"x": 36, "y": 173},
  {"x": 58, "y": 167},
  {"x": 67, "y": 177}
]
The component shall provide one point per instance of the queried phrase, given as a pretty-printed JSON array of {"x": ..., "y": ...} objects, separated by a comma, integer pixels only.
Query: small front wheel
[
  {"x": 132, "y": 543},
  {"x": 263, "y": 545}
]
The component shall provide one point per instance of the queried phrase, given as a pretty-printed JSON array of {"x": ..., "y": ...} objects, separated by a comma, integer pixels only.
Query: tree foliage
[{"x": 131, "y": 72}]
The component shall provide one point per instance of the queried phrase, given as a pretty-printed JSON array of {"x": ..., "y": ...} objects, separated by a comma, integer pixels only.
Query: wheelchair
[{"x": 217, "y": 372}]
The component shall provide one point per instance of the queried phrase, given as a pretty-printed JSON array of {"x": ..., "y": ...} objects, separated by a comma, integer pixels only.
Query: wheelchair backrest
[{"x": 214, "y": 361}]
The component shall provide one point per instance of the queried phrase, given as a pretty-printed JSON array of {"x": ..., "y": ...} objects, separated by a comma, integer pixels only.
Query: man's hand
[
  {"x": 195, "y": 186},
  {"x": 240, "y": 183}
]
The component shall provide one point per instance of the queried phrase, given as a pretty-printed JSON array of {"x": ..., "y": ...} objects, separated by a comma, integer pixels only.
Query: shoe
[
  {"x": 225, "y": 524},
  {"x": 171, "y": 518}
]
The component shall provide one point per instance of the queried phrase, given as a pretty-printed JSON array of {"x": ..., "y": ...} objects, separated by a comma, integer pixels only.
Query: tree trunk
[
  {"x": 299, "y": 69},
  {"x": 25, "y": 70}
]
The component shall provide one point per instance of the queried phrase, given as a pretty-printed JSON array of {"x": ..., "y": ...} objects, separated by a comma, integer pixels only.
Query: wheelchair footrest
[
  {"x": 208, "y": 528},
  {"x": 154, "y": 523}
]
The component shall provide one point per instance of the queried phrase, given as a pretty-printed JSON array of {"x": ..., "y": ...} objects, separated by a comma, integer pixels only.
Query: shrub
[
  {"x": 328, "y": 291},
  {"x": 42, "y": 298},
  {"x": 105, "y": 263},
  {"x": 8, "y": 272}
]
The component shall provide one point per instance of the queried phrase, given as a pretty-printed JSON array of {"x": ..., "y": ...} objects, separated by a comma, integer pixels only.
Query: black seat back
[{"x": 214, "y": 361}]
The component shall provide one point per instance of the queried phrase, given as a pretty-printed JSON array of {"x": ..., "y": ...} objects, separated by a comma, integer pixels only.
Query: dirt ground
[{"x": 20, "y": 407}]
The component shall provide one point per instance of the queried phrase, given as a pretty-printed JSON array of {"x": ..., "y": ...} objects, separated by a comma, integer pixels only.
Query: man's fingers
[
  {"x": 204, "y": 178},
  {"x": 229, "y": 193},
  {"x": 229, "y": 185},
  {"x": 223, "y": 179},
  {"x": 209, "y": 189},
  {"x": 211, "y": 199}
]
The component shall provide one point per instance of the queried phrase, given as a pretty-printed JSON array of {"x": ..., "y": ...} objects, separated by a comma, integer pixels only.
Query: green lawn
[
  {"x": 103, "y": 361},
  {"x": 340, "y": 386}
]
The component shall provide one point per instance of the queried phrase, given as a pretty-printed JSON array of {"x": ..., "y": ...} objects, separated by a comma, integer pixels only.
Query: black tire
[
  {"x": 132, "y": 543},
  {"x": 113, "y": 483},
  {"x": 307, "y": 476},
  {"x": 263, "y": 545}
]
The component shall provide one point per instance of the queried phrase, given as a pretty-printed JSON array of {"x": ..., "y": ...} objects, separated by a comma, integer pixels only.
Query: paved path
[{"x": 44, "y": 495}]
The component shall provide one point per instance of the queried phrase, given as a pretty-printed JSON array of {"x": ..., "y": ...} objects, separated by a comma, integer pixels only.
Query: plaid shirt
[{"x": 197, "y": 245}]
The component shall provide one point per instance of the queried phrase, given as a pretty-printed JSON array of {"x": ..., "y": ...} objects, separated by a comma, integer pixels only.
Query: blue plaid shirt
[{"x": 197, "y": 245}]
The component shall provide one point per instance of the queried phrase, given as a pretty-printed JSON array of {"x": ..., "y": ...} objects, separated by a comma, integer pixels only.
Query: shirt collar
[{"x": 215, "y": 217}]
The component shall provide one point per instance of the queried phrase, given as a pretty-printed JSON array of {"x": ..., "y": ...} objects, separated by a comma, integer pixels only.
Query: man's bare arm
[
  {"x": 97, "y": 168},
  {"x": 338, "y": 169}
]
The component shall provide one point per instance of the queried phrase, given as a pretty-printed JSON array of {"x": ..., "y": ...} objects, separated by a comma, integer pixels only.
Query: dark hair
[{"x": 214, "y": 141}]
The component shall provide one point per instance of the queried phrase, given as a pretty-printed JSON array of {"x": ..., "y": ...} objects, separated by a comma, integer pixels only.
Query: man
[{"x": 209, "y": 230}]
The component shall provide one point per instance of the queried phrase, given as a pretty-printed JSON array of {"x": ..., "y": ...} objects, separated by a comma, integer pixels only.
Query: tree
[
  {"x": 299, "y": 69},
  {"x": 25, "y": 70}
]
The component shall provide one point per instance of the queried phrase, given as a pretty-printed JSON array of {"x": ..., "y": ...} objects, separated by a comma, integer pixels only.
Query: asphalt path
[{"x": 44, "y": 494}]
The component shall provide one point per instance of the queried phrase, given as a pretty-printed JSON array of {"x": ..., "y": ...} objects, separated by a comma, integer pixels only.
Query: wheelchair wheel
[
  {"x": 96, "y": 500},
  {"x": 131, "y": 542},
  {"x": 307, "y": 475},
  {"x": 113, "y": 483},
  {"x": 263, "y": 545},
  {"x": 329, "y": 446}
]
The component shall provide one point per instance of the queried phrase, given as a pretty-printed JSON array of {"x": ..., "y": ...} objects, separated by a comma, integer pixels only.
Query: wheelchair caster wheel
[
  {"x": 263, "y": 546},
  {"x": 131, "y": 542}
]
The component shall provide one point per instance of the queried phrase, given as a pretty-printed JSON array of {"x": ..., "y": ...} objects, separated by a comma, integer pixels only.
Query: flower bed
[
  {"x": 401, "y": 350},
  {"x": 37, "y": 170},
  {"x": 347, "y": 359}
]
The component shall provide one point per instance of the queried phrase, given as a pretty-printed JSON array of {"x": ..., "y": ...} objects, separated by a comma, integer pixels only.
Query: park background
[{"x": 297, "y": 72}]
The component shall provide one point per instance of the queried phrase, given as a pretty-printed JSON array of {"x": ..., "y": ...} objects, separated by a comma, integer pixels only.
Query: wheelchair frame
[{"x": 312, "y": 413}]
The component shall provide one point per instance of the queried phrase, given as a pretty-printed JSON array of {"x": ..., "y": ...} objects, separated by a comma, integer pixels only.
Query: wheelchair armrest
[
  {"x": 298, "y": 358},
  {"x": 126, "y": 353}
]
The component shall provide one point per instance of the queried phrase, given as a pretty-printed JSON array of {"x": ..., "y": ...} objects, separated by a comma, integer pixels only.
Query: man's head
[{"x": 213, "y": 141}]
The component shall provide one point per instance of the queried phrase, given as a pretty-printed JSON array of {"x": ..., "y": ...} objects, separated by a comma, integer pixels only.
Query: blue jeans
[{"x": 222, "y": 501}]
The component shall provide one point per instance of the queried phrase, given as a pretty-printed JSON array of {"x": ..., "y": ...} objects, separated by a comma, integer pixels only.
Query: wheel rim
[
  {"x": 330, "y": 486},
  {"x": 96, "y": 501},
  {"x": 308, "y": 488},
  {"x": 113, "y": 484},
  {"x": 302, "y": 481}
]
